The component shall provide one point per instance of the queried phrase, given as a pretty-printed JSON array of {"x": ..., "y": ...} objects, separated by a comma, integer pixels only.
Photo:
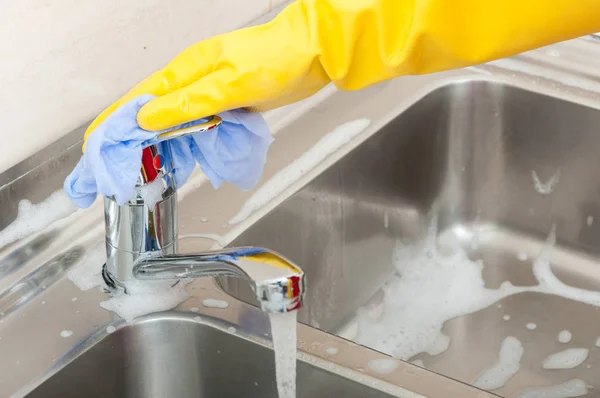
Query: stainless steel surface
[
  {"x": 197, "y": 360},
  {"x": 447, "y": 108},
  {"x": 278, "y": 284},
  {"x": 465, "y": 152}
]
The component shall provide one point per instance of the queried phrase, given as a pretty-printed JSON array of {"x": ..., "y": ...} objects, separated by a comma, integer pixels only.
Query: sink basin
[
  {"x": 175, "y": 356},
  {"x": 466, "y": 153}
]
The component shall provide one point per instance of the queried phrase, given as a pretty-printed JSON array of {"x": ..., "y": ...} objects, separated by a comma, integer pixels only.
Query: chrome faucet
[{"x": 141, "y": 239}]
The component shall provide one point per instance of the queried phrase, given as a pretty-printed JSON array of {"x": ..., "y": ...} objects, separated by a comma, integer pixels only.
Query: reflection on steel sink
[
  {"x": 467, "y": 150},
  {"x": 176, "y": 356}
]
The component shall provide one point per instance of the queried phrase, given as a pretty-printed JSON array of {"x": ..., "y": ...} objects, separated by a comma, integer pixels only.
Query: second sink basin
[{"x": 498, "y": 166}]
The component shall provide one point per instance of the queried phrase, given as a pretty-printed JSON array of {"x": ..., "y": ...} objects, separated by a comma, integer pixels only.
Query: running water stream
[{"x": 283, "y": 330}]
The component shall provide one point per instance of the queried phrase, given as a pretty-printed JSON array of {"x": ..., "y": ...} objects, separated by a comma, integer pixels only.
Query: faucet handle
[
  {"x": 214, "y": 121},
  {"x": 157, "y": 158}
]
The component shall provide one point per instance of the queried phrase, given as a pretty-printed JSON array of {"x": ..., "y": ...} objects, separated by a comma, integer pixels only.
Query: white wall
[{"x": 63, "y": 61}]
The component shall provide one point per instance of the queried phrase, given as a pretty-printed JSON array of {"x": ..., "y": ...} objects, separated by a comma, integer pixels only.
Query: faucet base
[{"x": 110, "y": 282}]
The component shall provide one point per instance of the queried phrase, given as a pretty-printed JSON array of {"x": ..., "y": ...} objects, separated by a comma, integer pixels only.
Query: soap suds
[
  {"x": 194, "y": 309},
  {"x": 440, "y": 284},
  {"x": 564, "y": 336},
  {"x": 151, "y": 193},
  {"x": 547, "y": 187},
  {"x": 507, "y": 366},
  {"x": 142, "y": 298},
  {"x": 89, "y": 273},
  {"x": 506, "y": 317},
  {"x": 436, "y": 282},
  {"x": 522, "y": 256},
  {"x": 383, "y": 366},
  {"x": 197, "y": 319},
  {"x": 66, "y": 333},
  {"x": 531, "y": 326},
  {"x": 570, "y": 389},
  {"x": 110, "y": 329},
  {"x": 287, "y": 176},
  {"x": 567, "y": 359},
  {"x": 34, "y": 218},
  {"x": 214, "y": 303},
  {"x": 231, "y": 329},
  {"x": 331, "y": 350},
  {"x": 146, "y": 297}
]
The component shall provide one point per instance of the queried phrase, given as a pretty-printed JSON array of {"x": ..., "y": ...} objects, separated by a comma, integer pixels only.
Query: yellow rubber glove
[{"x": 352, "y": 43}]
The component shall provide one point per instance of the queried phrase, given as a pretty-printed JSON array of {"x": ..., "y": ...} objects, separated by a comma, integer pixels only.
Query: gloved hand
[
  {"x": 352, "y": 43},
  {"x": 234, "y": 152}
]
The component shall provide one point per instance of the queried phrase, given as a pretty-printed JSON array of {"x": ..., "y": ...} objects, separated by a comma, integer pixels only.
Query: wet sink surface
[
  {"x": 466, "y": 153},
  {"x": 179, "y": 357}
]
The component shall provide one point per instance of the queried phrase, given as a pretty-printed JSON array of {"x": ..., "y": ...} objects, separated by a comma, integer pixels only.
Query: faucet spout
[{"x": 278, "y": 283}]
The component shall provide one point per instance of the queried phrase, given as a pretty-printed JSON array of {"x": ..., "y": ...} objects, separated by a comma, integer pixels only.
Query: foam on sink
[
  {"x": 564, "y": 336},
  {"x": 507, "y": 366},
  {"x": 33, "y": 218},
  {"x": 382, "y": 366},
  {"x": 66, "y": 333},
  {"x": 567, "y": 359},
  {"x": 88, "y": 274},
  {"x": 151, "y": 193},
  {"x": 284, "y": 178},
  {"x": 142, "y": 298},
  {"x": 570, "y": 389},
  {"x": 145, "y": 297},
  {"x": 436, "y": 282},
  {"x": 545, "y": 188},
  {"x": 214, "y": 303}
]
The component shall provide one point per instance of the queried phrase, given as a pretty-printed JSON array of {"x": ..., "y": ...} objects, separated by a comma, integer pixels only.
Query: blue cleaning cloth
[{"x": 235, "y": 152}]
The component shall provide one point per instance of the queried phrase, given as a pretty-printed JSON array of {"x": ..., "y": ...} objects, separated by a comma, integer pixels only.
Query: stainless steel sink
[
  {"x": 460, "y": 144},
  {"x": 466, "y": 152},
  {"x": 177, "y": 356}
]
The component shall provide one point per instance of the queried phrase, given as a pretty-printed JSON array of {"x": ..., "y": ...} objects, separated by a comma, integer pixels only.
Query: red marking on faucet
[
  {"x": 148, "y": 168},
  {"x": 293, "y": 286}
]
